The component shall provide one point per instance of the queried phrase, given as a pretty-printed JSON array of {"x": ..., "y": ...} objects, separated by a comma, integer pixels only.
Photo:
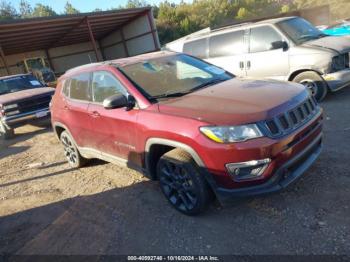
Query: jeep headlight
[{"x": 230, "y": 134}]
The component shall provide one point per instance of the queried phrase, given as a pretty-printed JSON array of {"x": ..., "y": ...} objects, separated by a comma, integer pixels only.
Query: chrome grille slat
[{"x": 294, "y": 118}]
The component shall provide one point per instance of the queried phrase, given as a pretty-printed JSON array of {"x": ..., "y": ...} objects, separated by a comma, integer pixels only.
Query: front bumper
[
  {"x": 284, "y": 176},
  {"x": 338, "y": 80},
  {"x": 24, "y": 118}
]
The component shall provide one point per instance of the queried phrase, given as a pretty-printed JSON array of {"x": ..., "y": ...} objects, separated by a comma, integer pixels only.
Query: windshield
[
  {"x": 300, "y": 30},
  {"x": 173, "y": 75},
  {"x": 18, "y": 83}
]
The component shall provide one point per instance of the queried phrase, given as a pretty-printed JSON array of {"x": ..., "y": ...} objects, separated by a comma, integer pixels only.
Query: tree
[
  {"x": 7, "y": 11},
  {"x": 70, "y": 10},
  {"x": 135, "y": 4},
  {"x": 41, "y": 10},
  {"x": 25, "y": 9}
]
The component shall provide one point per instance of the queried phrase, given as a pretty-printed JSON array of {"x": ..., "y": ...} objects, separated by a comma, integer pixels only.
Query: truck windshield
[
  {"x": 173, "y": 76},
  {"x": 18, "y": 83},
  {"x": 300, "y": 30}
]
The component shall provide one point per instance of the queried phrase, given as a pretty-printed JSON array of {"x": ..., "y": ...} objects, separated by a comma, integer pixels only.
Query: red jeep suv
[{"x": 191, "y": 125}]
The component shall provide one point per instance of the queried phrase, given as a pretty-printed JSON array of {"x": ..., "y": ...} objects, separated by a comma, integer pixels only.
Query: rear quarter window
[
  {"x": 65, "y": 88},
  {"x": 80, "y": 87}
]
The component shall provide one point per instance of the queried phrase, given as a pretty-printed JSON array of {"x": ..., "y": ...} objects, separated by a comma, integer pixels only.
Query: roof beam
[
  {"x": 66, "y": 33},
  {"x": 92, "y": 39},
  {"x": 2, "y": 54}
]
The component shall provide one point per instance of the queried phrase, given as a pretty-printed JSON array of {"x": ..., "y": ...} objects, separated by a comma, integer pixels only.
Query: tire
[
  {"x": 71, "y": 151},
  {"x": 314, "y": 82},
  {"x": 182, "y": 183},
  {"x": 6, "y": 133}
]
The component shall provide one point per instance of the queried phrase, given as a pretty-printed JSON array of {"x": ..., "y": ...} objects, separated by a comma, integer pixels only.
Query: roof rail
[{"x": 230, "y": 26}]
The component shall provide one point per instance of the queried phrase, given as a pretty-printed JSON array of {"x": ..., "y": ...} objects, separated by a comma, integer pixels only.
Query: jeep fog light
[{"x": 247, "y": 170}]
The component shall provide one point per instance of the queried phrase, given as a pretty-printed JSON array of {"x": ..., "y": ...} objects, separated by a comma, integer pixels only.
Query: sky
[{"x": 83, "y": 5}]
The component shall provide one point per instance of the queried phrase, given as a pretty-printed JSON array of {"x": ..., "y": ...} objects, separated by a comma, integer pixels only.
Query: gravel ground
[{"x": 48, "y": 208}]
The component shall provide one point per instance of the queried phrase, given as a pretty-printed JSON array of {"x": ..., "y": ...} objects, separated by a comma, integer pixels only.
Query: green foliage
[
  {"x": 339, "y": 8},
  {"x": 70, "y": 10},
  {"x": 25, "y": 9},
  {"x": 7, "y": 11},
  {"x": 41, "y": 10},
  {"x": 135, "y": 4}
]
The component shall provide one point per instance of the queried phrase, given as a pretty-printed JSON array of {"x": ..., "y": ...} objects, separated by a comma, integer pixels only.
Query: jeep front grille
[{"x": 287, "y": 122}]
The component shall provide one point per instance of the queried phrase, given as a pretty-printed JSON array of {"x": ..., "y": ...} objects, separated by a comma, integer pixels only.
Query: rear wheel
[
  {"x": 71, "y": 151},
  {"x": 314, "y": 84},
  {"x": 181, "y": 182},
  {"x": 6, "y": 133}
]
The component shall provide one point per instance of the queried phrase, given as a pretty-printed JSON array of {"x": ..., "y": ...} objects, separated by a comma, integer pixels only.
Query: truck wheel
[
  {"x": 314, "y": 83},
  {"x": 71, "y": 151},
  {"x": 181, "y": 182},
  {"x": 6, "y": 133}
]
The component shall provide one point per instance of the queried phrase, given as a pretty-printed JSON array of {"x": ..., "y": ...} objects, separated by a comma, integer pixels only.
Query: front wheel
[
  {"x": 181, "y": 182},
  {"x": 71, "y": 151},
  {"x": 314, "y": 84}
]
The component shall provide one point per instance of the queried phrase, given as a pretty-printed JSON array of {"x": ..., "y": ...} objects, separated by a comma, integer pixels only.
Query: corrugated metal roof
[{"x": 24, "y": 35}]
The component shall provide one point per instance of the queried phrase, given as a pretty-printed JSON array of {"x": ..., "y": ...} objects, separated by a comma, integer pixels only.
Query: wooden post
[
  {"x": 156, "y": 45},
  {"x": 4, "y": 59},
  {"x": 49, "y": 59},
  {"x": 124, "y": 42},
  {"x": 92, "y": 39}
]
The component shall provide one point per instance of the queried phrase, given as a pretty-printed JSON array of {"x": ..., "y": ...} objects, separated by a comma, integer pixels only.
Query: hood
[
  {"x": 341, "y": 44},
  {"x": 25, "y": 94},
  {"x": 237, "y": 101}
]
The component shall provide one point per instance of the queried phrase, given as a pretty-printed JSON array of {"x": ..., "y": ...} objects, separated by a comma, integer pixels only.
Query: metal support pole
[
  {"x": 4, "y": 59},
  {"x": 49, "y": 59},
  {"x": 149, "y": 16},
  {"x": 124, "y": 43},
  {"x": 92, "y": 39}
]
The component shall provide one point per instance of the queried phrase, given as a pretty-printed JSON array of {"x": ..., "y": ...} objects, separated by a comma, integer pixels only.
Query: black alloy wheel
[{"x": 181, "y": 182}]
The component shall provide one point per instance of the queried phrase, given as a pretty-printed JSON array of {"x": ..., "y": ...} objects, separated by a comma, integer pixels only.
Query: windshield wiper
[
  {"x": 209, "y": 83},
  {"x": 176, "y": 94}
]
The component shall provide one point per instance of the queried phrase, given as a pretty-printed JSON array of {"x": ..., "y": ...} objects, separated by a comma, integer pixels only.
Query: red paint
[{"x": 125, "y": 133}]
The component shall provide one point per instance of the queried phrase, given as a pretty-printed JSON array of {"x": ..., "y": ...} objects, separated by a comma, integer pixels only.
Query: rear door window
[
  {"x": 65, "y": 89},
  {"x": 104, "y": 85},
  {"x": 80, "y": 87},
  {"x": 196, "y": 48},
  {"x": 262, "y": 39},
  {"x": 227, "y": 44}
]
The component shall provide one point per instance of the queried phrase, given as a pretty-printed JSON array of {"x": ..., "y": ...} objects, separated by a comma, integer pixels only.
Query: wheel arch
[
  {"x": 59, "y": 128},
  {"x": 156, "y": 147},
  {"x": 298, "y": 71}
]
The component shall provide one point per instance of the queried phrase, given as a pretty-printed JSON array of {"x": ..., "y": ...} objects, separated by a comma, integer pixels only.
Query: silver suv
[{"x": 288, "y": 48}]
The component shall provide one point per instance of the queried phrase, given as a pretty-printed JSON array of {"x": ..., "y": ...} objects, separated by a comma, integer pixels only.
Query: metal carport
[{"x": 71, "y": 40}]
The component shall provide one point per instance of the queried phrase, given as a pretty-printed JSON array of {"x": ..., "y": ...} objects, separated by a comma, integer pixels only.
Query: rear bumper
[
  {"x": 24, "y": 118},
  {"x": 284, "y": 176},
  {"x": 338, "y": 80}
]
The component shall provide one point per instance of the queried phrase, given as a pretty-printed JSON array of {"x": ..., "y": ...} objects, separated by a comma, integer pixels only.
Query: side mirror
[
  {"x": 279, "y": 45},
  {"x": 119, "y": 101}
]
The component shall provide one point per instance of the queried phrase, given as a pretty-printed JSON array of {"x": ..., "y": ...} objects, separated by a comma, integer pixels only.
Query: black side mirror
[
  {"x": 119, "y": 101},
  {"x": 279, "y": 45}
]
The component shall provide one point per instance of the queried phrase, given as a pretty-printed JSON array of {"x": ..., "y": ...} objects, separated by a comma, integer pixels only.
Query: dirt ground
[{"x": 48, "y": 208}]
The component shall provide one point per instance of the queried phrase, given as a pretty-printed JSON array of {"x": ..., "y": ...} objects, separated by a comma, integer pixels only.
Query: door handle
[
  {"x": 95, "y": 114},
  {"x": 66, "y": 108},
  {"x": 248, "y": 65},
  {"x": 241, "y": 65}
]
